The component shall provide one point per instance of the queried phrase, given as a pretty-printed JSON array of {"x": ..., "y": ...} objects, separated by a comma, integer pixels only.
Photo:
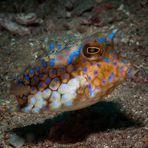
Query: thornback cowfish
[{"x": 73, "y": 78}]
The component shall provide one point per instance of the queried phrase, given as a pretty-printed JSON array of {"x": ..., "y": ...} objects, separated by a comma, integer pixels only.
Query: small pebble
[{"x": 16, "y": 141}]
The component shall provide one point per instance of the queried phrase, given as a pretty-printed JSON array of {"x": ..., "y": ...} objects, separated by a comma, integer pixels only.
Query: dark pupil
[{"x": 92, "y": 50}]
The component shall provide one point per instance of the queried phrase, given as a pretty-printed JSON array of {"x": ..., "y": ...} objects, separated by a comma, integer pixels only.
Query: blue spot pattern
[
  {"x": 47, "y": 81},
  {"x": 106, "y": 59},
  {"x": 129, "y": 72},
  {"x": 89, "y": 77},
  {"x": 98, "y": 65},
  {"x": 32, "y": 88},
  {"x": 95, "y": 72},
  {"x": 56, "y": 79},
  {"x": 40, "y": 84},
  {"x": 31, "y": 71},
  {"x": 114, "y": 63},
  {"x": 52, "y": 62},
  {"x": 65, "y": 76},
  {"x": 65, "y": 46},
  {"x": 84, "y": 60},
  {"x": 91, "y": 63},
  {"x": 62, "y": 68},
  {"x": 90, "y": 89},
  {"x": 123, "y": 61},
  {"x": 59, "y": 47},
  {"x": 37, "y": 68},
  {"x": 26, "y": 76},
  {"x": 72, "y": 68},
  {"x": 20, "y": 81},
  {"x": 51, "y": 45},
  {"x": 112, "y": 35},
  {"x": 114, "y": 56},
  {"x": 35, "y": 78},
  {"x": 73, "y": 53},
  {"x": 97, "y": 88},
  {"x": 84, "y": 69},
  {"x": 53, "y": 85},
  {"x": 121, "y": 69},
  {"x": 103, "y": 81},
  {"x": 110, "y": 78},
  {"x": 53, "y": 71},
  {"x": 44, "y": 64},
  {"x": 101, "y": 39}
]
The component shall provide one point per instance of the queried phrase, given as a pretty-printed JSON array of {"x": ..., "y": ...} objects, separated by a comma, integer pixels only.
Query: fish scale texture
[{"x": 73, "y": 78}]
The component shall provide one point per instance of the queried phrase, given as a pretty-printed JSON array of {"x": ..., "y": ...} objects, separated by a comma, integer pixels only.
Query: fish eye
[{"x": 92, "y": 50}]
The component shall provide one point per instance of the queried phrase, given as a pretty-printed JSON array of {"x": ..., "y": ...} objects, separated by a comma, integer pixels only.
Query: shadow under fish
[{"x": 75, "y": 126}]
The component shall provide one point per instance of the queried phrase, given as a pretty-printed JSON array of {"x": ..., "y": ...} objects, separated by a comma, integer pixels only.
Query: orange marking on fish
[{"x": 72, "y": 79}]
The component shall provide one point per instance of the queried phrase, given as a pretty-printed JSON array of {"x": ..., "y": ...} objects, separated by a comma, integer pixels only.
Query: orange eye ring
[{"x": 92, "y": 50}]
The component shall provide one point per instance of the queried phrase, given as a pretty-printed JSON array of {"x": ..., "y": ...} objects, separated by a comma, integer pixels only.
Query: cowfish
[{"x": 74, "y": 78}]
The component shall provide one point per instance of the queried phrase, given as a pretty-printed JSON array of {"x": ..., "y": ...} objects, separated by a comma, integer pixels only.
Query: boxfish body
[{"x": 73, "y": 78}]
